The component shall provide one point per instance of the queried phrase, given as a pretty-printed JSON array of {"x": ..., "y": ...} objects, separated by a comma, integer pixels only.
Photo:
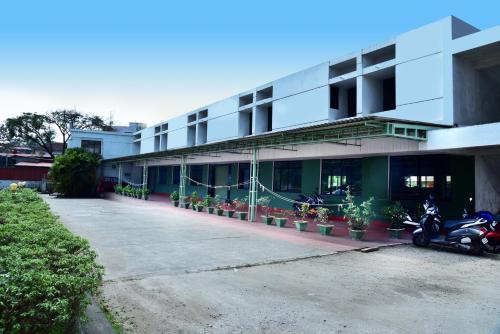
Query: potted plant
[
  {"x": 301, "y": 225},
  {"x": 194, "y": 200},
  {"x": 322, "y": 221},
  {"x": 358, "y": 216},
  {"x": 174, "y": 197},
  {"x": 145, "y": 194},
  {"x": 211, "y": 202},
  {"x": 229, "y": 209},
  {"x": 264, "y": 202},
  {"x": 207, "y": 202},
  {"x": 219, "y": 205},
  {"x": 118, "y": 189},
  {"x": 127, "y": 190},
  {"x": 397, "y": 214},
  {"x": 240, "y": 205},
  {"x": 138, "y": 193},
  {"x": 184, "y": 202},
  {"x": 280, "y": 218}
]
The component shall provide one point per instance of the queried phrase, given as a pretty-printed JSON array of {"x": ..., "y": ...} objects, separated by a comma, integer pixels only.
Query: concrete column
[
  {"x": 253, "y": 187},
  {"x": 487, "y": 183},
  {"x": 182, "y": 185},
  {"x": 145, "y": 176}
]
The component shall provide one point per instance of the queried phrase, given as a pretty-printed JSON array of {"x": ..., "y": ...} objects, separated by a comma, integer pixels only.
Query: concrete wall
[
  {"x": 476, "y": 94},
  {"x": 113, "y": 144},
  {"x": 487, "y": 183}
]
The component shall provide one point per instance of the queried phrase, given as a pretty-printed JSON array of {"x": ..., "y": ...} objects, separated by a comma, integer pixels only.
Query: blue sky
[{"x": 151, "y": 60}]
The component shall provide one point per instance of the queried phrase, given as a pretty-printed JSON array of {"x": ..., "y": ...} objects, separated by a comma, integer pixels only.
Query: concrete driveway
[{"x": 176, "y": 271}]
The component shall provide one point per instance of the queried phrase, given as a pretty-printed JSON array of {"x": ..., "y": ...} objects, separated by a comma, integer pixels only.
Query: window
[
  {"x": 415, "y": 177},
  {"x": 92, "y": 146},
  {"x": 288, "y": 176},
  {"x": 162, "y": 175},
  {"x": 243, "y": 175},
  {"x": 196, "y": 174},
  {"x": 176, "y": 175},
  {"x": 336, "y": 175}
]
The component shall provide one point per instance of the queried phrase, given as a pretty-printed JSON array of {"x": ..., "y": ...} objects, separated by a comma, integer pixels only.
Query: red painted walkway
[{"x": 375, "y": 236}]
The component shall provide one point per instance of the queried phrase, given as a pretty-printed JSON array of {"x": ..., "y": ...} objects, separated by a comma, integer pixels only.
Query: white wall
[
  {"x": 113, "y": 144},
  {"x": 308, "y": 107},
  {"x": 302, "y": 81},
  {"x": 223, "y": 127}
]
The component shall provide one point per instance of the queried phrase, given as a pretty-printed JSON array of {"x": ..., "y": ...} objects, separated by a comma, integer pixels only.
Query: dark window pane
[
  {"x": 288, "y": 176},
  {"x": 162, "y": 175},
  {"x": 243, "y": 175},
  {"x": 92, "y": 146},
  {"x": 176, "y": 177},
  {"x": 337, "y": 174},
  {"x": 196, "y": 174}
]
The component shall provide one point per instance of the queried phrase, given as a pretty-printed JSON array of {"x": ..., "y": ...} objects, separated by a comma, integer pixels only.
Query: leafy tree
[
  {"x": 65, "y": 120},
  {"x": 74, "y": 173},
  {"x": 32, "y": 128},
  {"x": 40, "y": 130}
]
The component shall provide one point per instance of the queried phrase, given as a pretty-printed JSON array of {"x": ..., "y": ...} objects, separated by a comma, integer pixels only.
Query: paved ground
[{"x": 176, "y": 271}]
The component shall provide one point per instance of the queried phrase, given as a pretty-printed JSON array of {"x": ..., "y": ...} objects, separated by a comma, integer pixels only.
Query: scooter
[{"x": 466, "y": 236}]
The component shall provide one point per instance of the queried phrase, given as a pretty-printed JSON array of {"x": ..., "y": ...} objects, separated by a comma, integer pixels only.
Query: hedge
[{"x": 47, "y": 274}]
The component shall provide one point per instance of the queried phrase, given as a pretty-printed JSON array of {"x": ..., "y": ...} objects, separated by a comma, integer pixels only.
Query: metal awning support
[
  {"x": 145, "y": 177},
  {"x": 120, "y": 174},
  {"x": 182, "y": 185},
  {"x": 253, "y": 189}
]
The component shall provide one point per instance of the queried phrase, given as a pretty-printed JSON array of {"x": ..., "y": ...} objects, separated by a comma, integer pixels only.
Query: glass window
[
  {"x": 92, "y": 146},
  {"x": 288, "y": 176},
  {"x": 243, "y": 175},
  {"x": 196, "y": 174},
  {"x": 176, "y": 175},
  {"x": 162, "y": 175},
  {"x": 415, "y": 177},
  {"x": 337, "y": 174}
]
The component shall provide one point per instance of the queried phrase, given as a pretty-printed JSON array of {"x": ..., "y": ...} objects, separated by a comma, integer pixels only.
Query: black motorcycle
[
  {"x": 463, "y": 235},
  {"x": 314, "y": 201}
]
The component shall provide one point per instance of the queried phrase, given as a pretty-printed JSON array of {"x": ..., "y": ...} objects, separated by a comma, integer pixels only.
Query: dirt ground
[{"x": 169, "y": 271}]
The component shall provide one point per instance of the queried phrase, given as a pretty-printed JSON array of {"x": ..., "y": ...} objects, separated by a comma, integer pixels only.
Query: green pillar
[
  {"x": 182, "y": 185},
  {"x": 145, "y": 176},
  {"x": 120, "y": 174},
  {"x": 253, "y": 188}
]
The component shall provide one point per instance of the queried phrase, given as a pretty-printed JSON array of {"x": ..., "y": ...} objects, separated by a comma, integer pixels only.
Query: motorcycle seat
[{"x": 454, "y": 224}]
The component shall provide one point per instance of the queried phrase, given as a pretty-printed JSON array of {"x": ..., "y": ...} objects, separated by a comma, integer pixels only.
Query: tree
[
  {"x": 32, "y": 129},
  {"x": 65, "y": 120},
  {"x": 74, "y": 173},
  {"x": 40, "y": 130}
]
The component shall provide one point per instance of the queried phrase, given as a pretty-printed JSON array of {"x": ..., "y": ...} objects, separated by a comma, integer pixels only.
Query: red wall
[{"x": 23, "y": 173}]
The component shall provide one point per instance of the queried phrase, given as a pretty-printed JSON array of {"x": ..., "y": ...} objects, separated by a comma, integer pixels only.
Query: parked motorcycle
[
  {"x": 465, "y": 235},
  {"x": 492, "y": 227},
  {"x": 314, "y": 201}
]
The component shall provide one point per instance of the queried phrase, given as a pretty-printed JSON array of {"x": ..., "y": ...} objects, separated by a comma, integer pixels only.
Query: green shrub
[
  {"x": 46, "y": 272},
  {"x": 74, "y": 173}
]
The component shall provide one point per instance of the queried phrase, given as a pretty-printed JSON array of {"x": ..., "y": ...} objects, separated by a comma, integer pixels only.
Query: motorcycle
[
  {"x": 465, "y": 235},
  {"x": 492, "y": 227},
  {"x": 314, "y": 201}
]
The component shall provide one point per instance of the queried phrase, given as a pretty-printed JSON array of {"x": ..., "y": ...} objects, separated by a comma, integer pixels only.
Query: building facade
[{"x": 417, "y": 114}]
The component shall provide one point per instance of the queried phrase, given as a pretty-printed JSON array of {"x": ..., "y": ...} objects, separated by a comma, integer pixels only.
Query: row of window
[{"x": 411, "y": 176}]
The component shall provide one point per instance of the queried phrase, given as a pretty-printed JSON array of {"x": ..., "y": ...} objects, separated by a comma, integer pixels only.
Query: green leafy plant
[
  {"x": 397, "y": 213},
  {"x": 145, "y": 193},
  {"x": 195, "y": 198},
  {"x": 218, "y": 202},
  {"x": 264, "y": 202},
  {"x": 322, "y": 215},
  {"x": 74, "y": 173},
  {"x": 358, "y": 215},
  {"x": 46, "y": 273},
  {"x": 118, "y": 189},
  {"x": 304, "y": 211},
  {"x": 207, "y": 201},
  {"x": 174, "y": 196}
]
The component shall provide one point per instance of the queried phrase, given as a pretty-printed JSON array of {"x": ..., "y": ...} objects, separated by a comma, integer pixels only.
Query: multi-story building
[{"x": 417, "y": 114}]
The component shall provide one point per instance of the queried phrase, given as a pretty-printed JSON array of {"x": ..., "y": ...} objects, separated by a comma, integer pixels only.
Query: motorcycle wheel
[
  {"x": 420, "y": 241},
  {"x": 476, "y": 249}
]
